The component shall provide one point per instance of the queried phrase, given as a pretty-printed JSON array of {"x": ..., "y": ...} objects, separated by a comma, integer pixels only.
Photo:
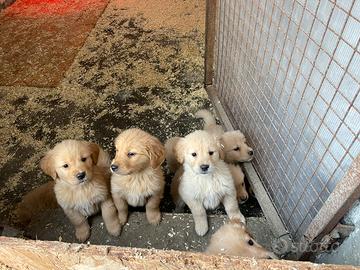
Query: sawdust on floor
[{"x": 142, "y": 65}]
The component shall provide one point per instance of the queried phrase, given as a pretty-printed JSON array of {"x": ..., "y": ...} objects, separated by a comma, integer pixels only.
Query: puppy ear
[
  {"x": 240, "y": 134},
  {"x": 179, "y": 149},
  {"x": 156, "y": 152},
  {"x": 47, "y": 164},
  {"x": 94, "y": 150}
]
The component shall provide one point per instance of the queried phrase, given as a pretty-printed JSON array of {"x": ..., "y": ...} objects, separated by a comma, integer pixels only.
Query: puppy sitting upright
[
  {"x": 137, "y": 177},
  {"x": 233, "y": 142},
  {"x": 204, "y": 180},
  {"x": 82, "y": 184}
]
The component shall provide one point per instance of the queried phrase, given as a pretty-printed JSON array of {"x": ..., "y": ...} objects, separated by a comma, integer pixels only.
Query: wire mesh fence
[{"x": 288, "y": 74}]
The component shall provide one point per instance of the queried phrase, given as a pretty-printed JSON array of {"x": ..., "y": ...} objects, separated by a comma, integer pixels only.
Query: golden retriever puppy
[
  {"x": 239, "y": 181},
  {"x": 233, "y": 143},
  {"x": 204, "y": 181},
  {"x": 137, "y": 178},
  {"x": 233, "y": 239},
  {"x": 82, "y": 184},
  {"x": 236, "y": 171},
  {"x": 171, "y": 160}
]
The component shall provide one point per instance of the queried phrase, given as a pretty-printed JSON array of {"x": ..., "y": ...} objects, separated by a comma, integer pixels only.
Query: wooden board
[{"x": 28, "y": 254}]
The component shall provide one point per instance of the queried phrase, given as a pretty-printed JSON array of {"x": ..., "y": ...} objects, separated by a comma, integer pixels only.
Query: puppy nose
[
  {"x": 251, "y": 152},
  {"x": 81, "y": 175},
  {"x": 204, "y": 167},
  {"x": 114, "y": 167}
]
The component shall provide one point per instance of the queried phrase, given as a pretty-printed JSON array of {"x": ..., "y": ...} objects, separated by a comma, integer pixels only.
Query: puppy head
[
  {"x": 198, "y": 151},
  {"x": 71, "y": 161},
  {"x": 136, "y": 150},
  {"x": 235, "y": 147},
  {"x": 234, "y": 239}
]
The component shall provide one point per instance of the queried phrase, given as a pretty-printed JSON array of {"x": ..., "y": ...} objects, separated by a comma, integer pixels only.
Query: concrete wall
[{"x": 349, "y": 251}]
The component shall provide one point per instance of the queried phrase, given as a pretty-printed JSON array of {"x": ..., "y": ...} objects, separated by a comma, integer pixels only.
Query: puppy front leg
[
  {"x": 153, "y": 214},
  {"x": 108, "y": 212},
  {"x": 199, "y": 215},
  {"x": 122, "y": 208},
  {"x": 82, "y": 228},
  {"x": 232, "y": 208}
]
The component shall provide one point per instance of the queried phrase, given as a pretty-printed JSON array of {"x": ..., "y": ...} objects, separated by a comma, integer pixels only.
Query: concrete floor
[
  {"x": 176, "y": 231},
  {"x": 87, "y": 69}
]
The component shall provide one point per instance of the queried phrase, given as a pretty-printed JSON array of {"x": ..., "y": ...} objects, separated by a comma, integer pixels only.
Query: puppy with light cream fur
[
  {"x": 233, "y": 239},
  {"x": 137, "y": 178},
  {"x": 233, "y": 142},
  {"x": 236, "y": 172},
  {"x": 204, "y": 181},
  {"x": 82, "y": 184}
]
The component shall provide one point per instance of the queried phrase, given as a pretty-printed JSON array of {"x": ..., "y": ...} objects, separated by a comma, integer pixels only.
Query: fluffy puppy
[
  {"x": 236, "y": 172},
  {"x": 233, "y": 239},
  {"x": 239, "y": 181},
  {"x": 137, "y": 178},
  {"x": 82, "y": 184},
  {"x": 233, "y": 143},
  {"x": 204, "y": 180}
]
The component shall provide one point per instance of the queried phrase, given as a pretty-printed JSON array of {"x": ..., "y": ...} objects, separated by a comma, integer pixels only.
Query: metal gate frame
[{"x": 346, "y": 192}]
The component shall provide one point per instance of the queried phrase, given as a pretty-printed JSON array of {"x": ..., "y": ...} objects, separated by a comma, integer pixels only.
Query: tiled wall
[{"x": 288, "y": 73}]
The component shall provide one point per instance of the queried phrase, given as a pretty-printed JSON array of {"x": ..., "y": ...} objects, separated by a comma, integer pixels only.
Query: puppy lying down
[
  {"x": 233, "y": 143},
  {"x": 137, "y": 178},
  {"x": 81, "y": 186},
  {"x": 233, "y": 239},
  {"x": 204, "y": 181}
]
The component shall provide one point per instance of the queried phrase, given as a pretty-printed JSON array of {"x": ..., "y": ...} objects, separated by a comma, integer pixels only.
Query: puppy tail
[
  {"x": 37, "y": 200},
  {"x": 208, "y": 118}
]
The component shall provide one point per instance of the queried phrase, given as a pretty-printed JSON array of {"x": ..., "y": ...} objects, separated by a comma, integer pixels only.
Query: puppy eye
[
  {"x": 65, "y": 166},
  {"x": 194, "y": 154},
  {"x": 237, "y": 149},
  {"x": 131, "y": 154},
  {"x": 250, "y": 242},
  {"x": 211, "y": 153},
  {"x": 83, "y": 159}
]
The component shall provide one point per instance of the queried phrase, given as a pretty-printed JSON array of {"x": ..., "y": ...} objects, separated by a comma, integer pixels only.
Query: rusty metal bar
[{"x": 211, "y": 7}]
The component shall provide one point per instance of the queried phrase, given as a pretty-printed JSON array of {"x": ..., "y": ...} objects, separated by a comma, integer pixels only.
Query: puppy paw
[
  {"x": 153, "y": 217},
  {"x": 242, "y": 219},
  {"x": 201, "y": 228},
  {"x": 238, "y": 217},
  {"x": 82, "y": 233},
  {"x": 122, "y": 218},
  {"x": 114, "y": 228}
]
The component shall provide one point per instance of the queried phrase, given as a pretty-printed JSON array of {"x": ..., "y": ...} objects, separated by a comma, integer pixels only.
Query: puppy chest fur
[
  {"x": 208, "y": 189},
  {"x": 138, "y": 187},
  {"x": 85, "y": 198}
]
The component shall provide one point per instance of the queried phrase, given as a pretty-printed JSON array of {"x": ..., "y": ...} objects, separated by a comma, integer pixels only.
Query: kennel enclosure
[{"x": 287, "y": 74}]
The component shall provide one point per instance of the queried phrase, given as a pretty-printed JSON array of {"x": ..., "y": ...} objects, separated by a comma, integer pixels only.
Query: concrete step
[{"x": 176, "y": 231}]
